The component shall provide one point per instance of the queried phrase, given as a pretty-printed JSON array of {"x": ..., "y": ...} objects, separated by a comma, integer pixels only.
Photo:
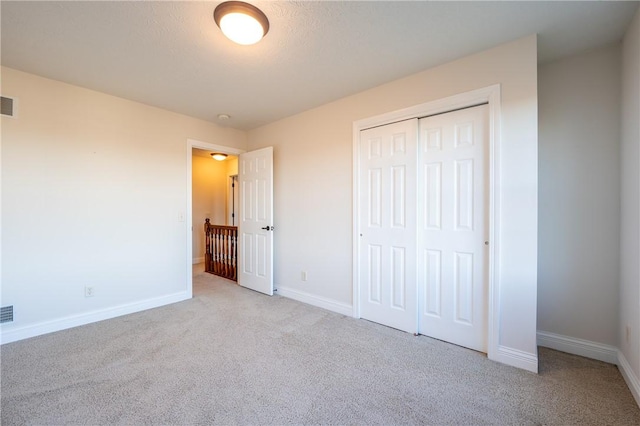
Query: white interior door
[
  {"x": 453, "y": 228},
  {"x": 387, "y": 244},
  {"x": 255, "y": 227}
]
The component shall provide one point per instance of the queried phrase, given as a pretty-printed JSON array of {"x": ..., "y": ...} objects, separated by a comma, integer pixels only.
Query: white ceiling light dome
[
  {"x": 219, "y": 156},
  {"x": 241, "y": 22}
]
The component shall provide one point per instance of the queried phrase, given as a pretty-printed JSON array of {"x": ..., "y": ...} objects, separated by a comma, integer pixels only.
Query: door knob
[{"x": 268, "y": 228}]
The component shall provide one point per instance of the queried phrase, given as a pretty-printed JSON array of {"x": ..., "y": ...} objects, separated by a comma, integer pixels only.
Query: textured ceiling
[{"x": 172, "y": 55}]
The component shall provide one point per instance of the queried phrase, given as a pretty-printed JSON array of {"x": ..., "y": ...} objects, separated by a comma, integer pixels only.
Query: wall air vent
[
  {"x": 6, "y": 314},
  {"x": 7, "y": 106}
]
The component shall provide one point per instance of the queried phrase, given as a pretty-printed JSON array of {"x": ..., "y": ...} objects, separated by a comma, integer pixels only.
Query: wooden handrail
[{"x": 221, "y": 250}]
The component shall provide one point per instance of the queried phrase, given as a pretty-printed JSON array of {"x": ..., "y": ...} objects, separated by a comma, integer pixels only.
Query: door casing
[{"x": 491, "y": 96}]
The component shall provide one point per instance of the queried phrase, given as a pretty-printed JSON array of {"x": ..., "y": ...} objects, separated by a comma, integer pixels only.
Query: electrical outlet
[
  {"x": 180, "y": 216},
  {"x": 89, "y": 291},
  {"x": 304, "y": 275},
  {"x": 627, "y": 333}
]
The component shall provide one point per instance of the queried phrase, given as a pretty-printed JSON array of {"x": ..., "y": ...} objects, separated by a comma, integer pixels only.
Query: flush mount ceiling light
[
  {"x": 218, "y": 156},
  {"x": 241, "y": 22}
]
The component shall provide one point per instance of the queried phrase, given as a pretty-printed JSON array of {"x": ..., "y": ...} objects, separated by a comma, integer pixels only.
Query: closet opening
[{"x": 426, "y": 219}]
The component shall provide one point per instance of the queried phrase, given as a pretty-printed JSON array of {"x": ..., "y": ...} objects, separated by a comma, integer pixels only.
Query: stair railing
[{"x": 221, "y": 254}]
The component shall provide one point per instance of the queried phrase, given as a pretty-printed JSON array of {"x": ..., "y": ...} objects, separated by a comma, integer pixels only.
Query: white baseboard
[
  {"x": 505, "y": 355},
  {"x": 89, "y": 317},
  {"x": 312, "y": 299},
  {"x": 197, "y": 260},
  {"x": 575, "y": 346},
  {"x": 593, "y": 350},
  {"x": 629, "y": 376},
  {"x": 516, "y": 358}
]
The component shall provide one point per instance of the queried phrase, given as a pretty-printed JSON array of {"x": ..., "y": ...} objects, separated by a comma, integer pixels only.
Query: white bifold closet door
[
  {"x": 424, "y": 224},
  {"x": 387, "y": 249}
]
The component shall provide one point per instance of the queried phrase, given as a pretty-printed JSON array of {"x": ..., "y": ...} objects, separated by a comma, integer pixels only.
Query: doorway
[
  {"x": 214, "y": 233},
  {"x": 255, "y": 215},
  {"x": 212, "y": 198}
]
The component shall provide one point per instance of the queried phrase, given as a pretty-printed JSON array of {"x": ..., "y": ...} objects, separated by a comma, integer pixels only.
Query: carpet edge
[{"x": 59, "y": 324}]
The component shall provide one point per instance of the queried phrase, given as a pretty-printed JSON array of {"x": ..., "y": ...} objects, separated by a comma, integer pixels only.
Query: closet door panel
[
  {"x": 388, "y": 211},
  {"x": 453, "y": 208}
]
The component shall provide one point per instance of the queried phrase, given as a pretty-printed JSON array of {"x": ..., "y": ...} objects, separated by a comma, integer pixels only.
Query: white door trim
[
  {"x": 193, "y": 143},
  {"x": 490, "y": 95}
]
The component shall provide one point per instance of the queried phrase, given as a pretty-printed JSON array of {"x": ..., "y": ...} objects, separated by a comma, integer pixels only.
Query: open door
[{"x": 255, "y": 227}]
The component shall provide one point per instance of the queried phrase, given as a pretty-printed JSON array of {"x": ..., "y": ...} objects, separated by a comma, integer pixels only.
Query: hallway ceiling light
[
  {"x": 241, "y": 22},
  {"x": 218, "y": 156}
]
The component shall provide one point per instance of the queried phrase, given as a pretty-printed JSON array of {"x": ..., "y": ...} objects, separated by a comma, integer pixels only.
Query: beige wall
[
  {"x": 232, "y": 166},
  {"x": 630, "y": 210},
  {"x": 579, "y": 184},
  {"x": 313, "y": 182},
  {"x": 209, "y": 199},
  {"x": 94, "y": 193}
]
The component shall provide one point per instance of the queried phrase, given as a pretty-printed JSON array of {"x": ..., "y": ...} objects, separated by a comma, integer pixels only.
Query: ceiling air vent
[
  {"x": 7, "y": 106},
  {"x": 6, "y": 314}
]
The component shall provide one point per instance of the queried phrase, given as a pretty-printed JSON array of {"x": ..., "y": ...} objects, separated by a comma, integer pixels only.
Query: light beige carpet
[{"x": 232, "y": 356}]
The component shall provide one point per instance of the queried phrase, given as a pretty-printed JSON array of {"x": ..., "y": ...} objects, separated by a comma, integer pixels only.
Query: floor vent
[
  {"x": 7, "y": 106},
  {"x": 6, "y": 314}
]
